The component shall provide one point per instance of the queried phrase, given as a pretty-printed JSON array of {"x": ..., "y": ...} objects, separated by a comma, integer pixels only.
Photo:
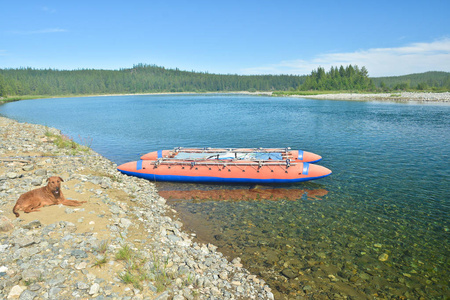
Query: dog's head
[{"x": 54, "y": 184}]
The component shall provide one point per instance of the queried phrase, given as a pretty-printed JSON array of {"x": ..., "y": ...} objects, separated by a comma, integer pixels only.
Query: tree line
[
  {"x": 144, "y": 78},
  {"x": 139, "y": 79}
]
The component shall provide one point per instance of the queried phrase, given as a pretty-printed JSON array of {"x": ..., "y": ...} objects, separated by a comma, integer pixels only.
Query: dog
[{"x": 50, "y": 194}]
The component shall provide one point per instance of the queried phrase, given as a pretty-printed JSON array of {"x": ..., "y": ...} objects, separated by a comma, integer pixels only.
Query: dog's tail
[{"x": 15, "y": 209}]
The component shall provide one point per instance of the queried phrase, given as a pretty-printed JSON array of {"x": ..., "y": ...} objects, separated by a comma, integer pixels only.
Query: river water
[{"x": 378, "y": 227}]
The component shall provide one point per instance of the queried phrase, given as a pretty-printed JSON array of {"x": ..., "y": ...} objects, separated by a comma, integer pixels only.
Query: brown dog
[{"x": 50, "y": 194}]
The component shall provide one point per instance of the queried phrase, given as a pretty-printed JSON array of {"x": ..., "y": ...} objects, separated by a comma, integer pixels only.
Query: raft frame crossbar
[
  {"x": 231, "y": 150},
  {"x": 257, "y": 163}
]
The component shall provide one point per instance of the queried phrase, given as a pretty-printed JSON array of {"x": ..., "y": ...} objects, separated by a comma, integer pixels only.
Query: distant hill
[{"x": 425, "y": 80}]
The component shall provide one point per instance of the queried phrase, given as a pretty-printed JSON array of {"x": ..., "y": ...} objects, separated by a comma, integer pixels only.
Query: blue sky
[{"x": 228, "y": 37}]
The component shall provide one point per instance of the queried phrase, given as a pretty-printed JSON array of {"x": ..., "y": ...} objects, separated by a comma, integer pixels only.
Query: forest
[
  {"x": 139, "y": 79},
  {"x": 142, "y": 78},
  {"x": 338, "y": 79}
]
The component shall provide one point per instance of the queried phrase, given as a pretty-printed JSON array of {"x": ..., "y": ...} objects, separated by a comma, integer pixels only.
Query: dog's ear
[
  {"x": 48, "y": 179},
  {"x": 62, "y": 180}
]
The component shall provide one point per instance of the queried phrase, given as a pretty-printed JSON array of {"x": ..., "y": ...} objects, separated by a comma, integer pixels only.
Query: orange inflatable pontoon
[
  {"x": 234, "y": 153},
  {"x": 257, "y": 166}
]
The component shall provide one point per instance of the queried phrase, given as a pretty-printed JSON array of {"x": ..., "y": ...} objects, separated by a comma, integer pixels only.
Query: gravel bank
[
  {"x": 124, "y": 243},
  {"x": 403, "y": 97}
]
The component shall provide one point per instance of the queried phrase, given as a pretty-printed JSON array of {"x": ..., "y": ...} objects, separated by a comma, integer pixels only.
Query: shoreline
[
  {"x": 27, "y": 97},
  {"x": 426, "y": 97},
  {"x": 396, "y": 97},
  {"x": 73, "y": 252}
]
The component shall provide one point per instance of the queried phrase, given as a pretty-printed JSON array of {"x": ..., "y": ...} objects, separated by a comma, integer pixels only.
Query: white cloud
[
  {"x": 412, "y": 58},
  {"x": 40, "y": 31}
]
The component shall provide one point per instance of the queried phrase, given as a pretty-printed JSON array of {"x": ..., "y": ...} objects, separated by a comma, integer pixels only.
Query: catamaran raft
[{"x": 232, "y": 165}]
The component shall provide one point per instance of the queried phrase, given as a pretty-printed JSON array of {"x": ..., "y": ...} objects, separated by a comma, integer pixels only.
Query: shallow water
[{"x": 378, "y": 227}]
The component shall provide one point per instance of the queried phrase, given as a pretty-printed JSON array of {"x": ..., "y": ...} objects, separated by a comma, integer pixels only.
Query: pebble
[
  {"x": 58, "y": 260},
  {"x": 94, "y": 289},
  {"x": 383, "y": 257},
  {"x": 15, "y": 292}
]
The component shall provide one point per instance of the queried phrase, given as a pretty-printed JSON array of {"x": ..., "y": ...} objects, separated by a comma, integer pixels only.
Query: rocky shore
[
  {"x": 124, "y": 243},
  {"x": 401, "y": 96}
]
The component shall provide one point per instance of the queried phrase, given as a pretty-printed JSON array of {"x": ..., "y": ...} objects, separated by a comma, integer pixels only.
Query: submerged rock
[
  {"x": 383, "y": 257},
  {"x": 289, "y": 273}
]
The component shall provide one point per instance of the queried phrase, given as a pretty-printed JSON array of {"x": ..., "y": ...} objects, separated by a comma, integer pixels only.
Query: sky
[{"x": 244, "y": 37}]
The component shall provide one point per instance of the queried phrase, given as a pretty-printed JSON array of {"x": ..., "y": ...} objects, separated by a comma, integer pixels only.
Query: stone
[
  {"x": 5, "y": 224},
  {"x": 307, "y": 288},
  {"x": 125, "y": 223},
  {"x": 173, "y": 238},
  {"x": 32, "y": 225},
  {"x": 53, "y": 292},
  {"x": 15, "y": 292},
  {"x": 78, "y": 253},
  {"x": 31, "y": 274},
  {"x": 94, "y": 289},
  {"x": 69, "y": 210},
  {"x": 152, "y": 287},
  {"x": 223, "y": 275},
  {"x": 40, "y": 172},
  {"x": 36, "y": 181},
  {"x": 28, "y": 168},
  {"x": 163, "y": 296},
  {"x": 12, "y": 175},
  {"x": 34, "y": 287},
  {"x": 81, "y": 265},
  {"x": 57, "y": 281},
  {"x": 289, "y": 273},
  {"x": 27, "y": 295},
  {"x": 383, "y": 257},
  {"x": 24, "y": 241},
  {"x": 115, "y": 209},
  {"x": 364, "y": 276}
]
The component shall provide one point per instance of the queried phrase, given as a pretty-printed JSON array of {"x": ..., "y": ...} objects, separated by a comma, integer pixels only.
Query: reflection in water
[{"x": 246, "y": 194}]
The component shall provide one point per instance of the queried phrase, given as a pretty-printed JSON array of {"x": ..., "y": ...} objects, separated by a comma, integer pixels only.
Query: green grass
[
  {"x": 100, "y": 262},
  {"x": 134, "y": 272},
  {"x": 103, "y": 246},
  {"x": 137, "y": 271},
  {"x": 125, "y": 253},
  {"x": 26, "y": 97},
  {"x": 31, "y": 97},
  {"x": 66, "y": 142}
]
